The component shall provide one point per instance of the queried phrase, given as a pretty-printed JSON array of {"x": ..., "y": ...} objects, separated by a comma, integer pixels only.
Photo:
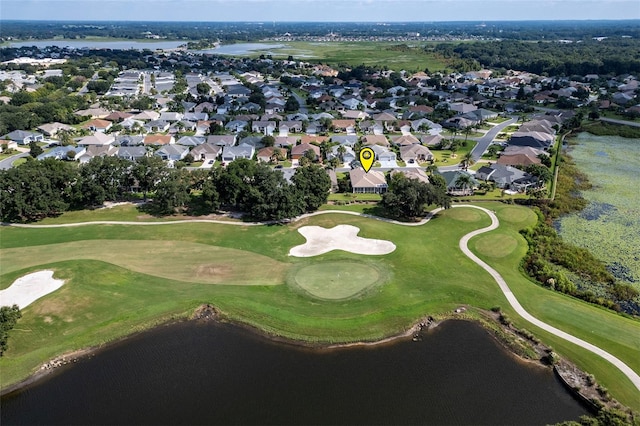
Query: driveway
[
  {"x": 390, "y": 164},
  {"x": 7, "y": 163},
  {"x": 485, "y": 141}
]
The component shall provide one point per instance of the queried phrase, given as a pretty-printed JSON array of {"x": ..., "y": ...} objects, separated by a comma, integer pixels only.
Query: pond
[
  {"x": 609, "y": 226},
  {"x": 212, "y": 373}
]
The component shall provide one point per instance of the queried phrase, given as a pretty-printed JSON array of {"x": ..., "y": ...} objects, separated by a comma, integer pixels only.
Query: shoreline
[{"x": 206, "y": 313}]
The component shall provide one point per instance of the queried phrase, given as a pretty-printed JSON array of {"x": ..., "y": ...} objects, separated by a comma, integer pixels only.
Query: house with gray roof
[
  {"x": 232, "y": 153},
  {"x": 172, "y": 152},
  {"x": 206, "y": 152},
  {"x": 533, "y": 139},
  {"x": 132, "y": 153},
  {"x": 222, "y": 140},
  {"x": 63, "y": 153},
  {"x": 190, "y": 140},
  {"x": 507, "y": 177},
  {"x": 23, "y": 137}
]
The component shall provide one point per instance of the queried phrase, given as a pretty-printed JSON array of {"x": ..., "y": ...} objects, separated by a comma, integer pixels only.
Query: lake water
[
  {"x": 241, "y": 49},
  {"x": 609, "y": 226},
  {"x": 209, "y": 373},
  {"x": 95, "y": 44}
]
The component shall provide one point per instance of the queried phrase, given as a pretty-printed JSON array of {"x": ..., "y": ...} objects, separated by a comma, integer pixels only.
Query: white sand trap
[
  {"x": 342, "y": 237},
  {"x": 26, "y": 290}
]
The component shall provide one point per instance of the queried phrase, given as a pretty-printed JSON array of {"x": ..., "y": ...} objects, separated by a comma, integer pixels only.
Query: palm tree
[
  {"x": 467, "y": 161},
  {"x": 431, "y": 169},
  {"x": 463, "y": 182}
]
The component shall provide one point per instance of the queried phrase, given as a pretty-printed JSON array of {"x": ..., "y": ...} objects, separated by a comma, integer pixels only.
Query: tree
[
  {"x": 172, "y": 191},
  {"x": 104, "y": 179},
  {"x": 467, "y": 161},
  {"x": 292, "y": 104},
  {"x": 35, "y": 149},
  {"x": 36, "y": 190},
  {"x": 147, "y": 172},
  {"x": 312, "y": 184},
  {"x": 540, "y": 171},
  {"x": 408, "y": 197},
  {"x": 464, "y": 182},
  {"x": 9, "y": 316},
  {"x": 268, "y": 140},
  {"x": 203, "y": 88}
]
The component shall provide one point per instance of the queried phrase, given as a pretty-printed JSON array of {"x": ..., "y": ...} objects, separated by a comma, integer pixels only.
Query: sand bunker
[
  {"x": 342, "y": 237},
  {"x": 26, "y": 290}
]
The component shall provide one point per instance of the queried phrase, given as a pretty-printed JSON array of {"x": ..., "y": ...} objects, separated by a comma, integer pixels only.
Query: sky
[{"x": 319, "y": 10}]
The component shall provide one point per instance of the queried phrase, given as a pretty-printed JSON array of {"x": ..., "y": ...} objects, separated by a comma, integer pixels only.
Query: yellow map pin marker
[{"x": 367, "y": 157}]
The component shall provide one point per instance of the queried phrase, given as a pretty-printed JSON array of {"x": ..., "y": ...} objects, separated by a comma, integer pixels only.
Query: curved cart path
[
  {"x": 632, "y": 375},
  {"x": 626, "y": 370}
]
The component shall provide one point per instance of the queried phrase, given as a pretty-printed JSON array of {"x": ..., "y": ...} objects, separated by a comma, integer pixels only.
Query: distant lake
[
  {"x": 241, "y": 49},
  {"x": 211, "y": 373},
  {"x": 99, "y": 44}
]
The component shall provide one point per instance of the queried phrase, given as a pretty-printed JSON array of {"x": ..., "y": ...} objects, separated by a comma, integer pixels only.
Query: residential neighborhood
[{"x": 288, "y": 113}]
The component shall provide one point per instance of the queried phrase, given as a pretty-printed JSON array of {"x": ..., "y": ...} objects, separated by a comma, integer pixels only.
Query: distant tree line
[
  {"x": 242, "y": 31},
  {"x": 610, "y": 56},
  {"x": 40, "y": 189}
]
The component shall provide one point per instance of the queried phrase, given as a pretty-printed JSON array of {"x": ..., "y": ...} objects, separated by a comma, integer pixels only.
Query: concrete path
[
  {"x": 464, "y": 241},
  {"x": 632, "y": 375}
]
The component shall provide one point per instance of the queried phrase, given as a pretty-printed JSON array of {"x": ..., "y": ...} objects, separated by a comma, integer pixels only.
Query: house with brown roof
[
  {"x": 404, "y": 140},
  {"x": 343, "y": 125},
  {"x": 415, "y": 153},
  {"x": 362, "y": 182},
  {"x": 268, "y": 154},
  {"x": 313, "y": 139},
  {"x": 298, "y": 151},
  {"x": 98, "y": 125},
  {"x": 375, "y": 140},
  {"x": 155, "y": 139}
]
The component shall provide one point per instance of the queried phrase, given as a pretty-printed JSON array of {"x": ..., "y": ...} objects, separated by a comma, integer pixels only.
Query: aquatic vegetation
[{"x": 608, "y": 227}]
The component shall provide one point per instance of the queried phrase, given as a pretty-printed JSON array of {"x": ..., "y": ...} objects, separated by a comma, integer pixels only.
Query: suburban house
[
  {"x": 375, "y": 140},
  {"x": 264, "y": 127},
  {"x": 416, "y": 173},
  {"x": 132, "y": 153},
  {"x": 129, "y": 140},
  {"x": 404, "y": 140},
  {"x": 232, "y": 153},
  {"x": 172, "y": 152},
  {"x": 98, "y": 125},
  {"x": 431, "y": 140},
  {"x": 97, "y": 138},
  {"x": 158, "y": 140},
  {"x": 459, "y": 182},
  {"x": 190, "y": 140},
  {"x": 268, "y": 154},
  {"x": 415, "y": 154},
  {"x": 51, "y": 129},
  {"x": 63, "y": 153},
  {"x": 346, "y": 157},
  {"x": 506, "y": 177},
  {"x": 156, "y": 126},
  {"x": 347, "y": 140},
  {"x": 298, "y": 151},
  {"x": 222, "y": 140},
  {"x": 533, "y": 139},
  {"x": 97, "y": 151},
  {"x": 521, "y": 156},
  {"x": 236, "y": 126},
  {"x": 362, "y": 182},
  {"x": 23, "y": 137},
  {"x": 206, "y": 152}
]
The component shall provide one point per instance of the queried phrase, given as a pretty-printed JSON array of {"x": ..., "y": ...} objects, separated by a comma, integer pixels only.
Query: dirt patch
[{"x": 213, "y": 270}]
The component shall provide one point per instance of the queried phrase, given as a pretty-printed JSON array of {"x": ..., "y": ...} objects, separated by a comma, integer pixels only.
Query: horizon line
[{"x": 320, "y": 22}]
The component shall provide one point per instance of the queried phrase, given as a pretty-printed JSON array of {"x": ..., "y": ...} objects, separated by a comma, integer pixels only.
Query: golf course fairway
[{"x": 120, "y": 279}]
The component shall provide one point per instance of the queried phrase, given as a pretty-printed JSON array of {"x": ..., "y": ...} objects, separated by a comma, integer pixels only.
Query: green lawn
[
  {"x": 367, "y": 53},
  {"x": 120, "y": 279}
]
